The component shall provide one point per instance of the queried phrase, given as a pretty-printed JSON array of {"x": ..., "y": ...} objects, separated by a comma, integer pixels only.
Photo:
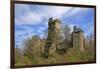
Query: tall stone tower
[
  {"x": 57, "y": 29},
  {"x": 78, "y": 38},
  {"x": 52, "y": 41}
]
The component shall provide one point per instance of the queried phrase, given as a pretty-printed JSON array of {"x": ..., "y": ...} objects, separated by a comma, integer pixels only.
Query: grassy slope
[{"x": 73, "y": 55}]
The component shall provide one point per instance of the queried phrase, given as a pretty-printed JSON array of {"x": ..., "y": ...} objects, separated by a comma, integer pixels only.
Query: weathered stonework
[
  {"x": 78, "y": 38},
  {"x": 53, "y": 43},
  {"x": 53, "y": 36}
]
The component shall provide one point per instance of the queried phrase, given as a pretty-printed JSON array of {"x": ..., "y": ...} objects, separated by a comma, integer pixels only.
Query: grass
[{"x": 73, "y": 55}]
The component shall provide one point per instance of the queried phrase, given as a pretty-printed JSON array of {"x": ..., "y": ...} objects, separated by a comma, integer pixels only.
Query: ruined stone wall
[
  {"x": 81, "y": 39},
  {"x": 53, "y": 39},
  {"x": 78, "y": 40},
  {"x": 53, "y": 36}
]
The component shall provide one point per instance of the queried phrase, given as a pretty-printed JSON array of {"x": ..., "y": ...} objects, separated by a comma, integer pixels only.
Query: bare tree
[
  {"x": 66, "y": 36},
  {"x": 30, "y": 46},
  {"x": 67, "y": 32},
  {"x": 90, "y": 44}
]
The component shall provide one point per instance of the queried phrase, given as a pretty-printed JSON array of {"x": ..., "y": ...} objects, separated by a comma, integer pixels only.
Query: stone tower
[
  {"x": 78, "y": 38},
  {"x": 57, "y": 29},
  {"x": 52, "y": 41}
]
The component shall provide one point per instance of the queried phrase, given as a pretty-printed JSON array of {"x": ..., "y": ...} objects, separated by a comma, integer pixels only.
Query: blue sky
[{"x": 33, "y": 19}]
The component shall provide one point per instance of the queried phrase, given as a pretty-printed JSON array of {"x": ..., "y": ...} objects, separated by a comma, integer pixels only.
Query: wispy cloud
[{"x": 35, "y": 14}]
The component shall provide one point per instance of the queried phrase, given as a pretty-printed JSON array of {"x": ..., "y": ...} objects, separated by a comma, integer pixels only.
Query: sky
[{"x": 32, "y": 20}]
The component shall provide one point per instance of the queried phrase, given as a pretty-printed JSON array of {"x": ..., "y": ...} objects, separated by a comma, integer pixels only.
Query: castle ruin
[{"x": 53, "y": 39}]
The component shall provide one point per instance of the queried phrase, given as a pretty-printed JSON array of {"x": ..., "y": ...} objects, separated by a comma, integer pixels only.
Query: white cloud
[
  {"x": 24, "y": 15},
  {"x": 79, "y": 12},
  {"x": 54, "y": 11},
  {"x": 35, "y": 14}
]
